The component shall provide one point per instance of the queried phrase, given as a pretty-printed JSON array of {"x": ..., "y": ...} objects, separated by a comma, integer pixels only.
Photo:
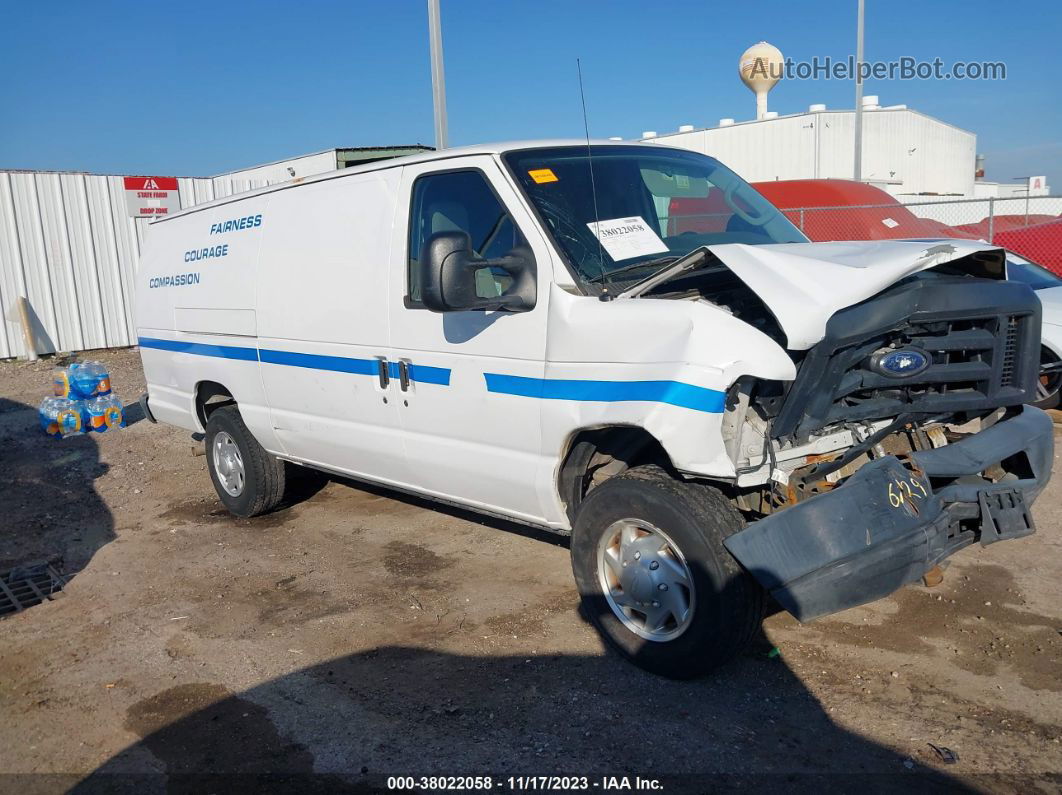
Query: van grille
[
  {"x": 982, "y": 339},
  {"x": 972, "y": 359},
  {"x": 1010, "y": 352}
]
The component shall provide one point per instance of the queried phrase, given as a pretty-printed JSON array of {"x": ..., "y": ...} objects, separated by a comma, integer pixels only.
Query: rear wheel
[
  {"x": 655, "y": 578},
  {"x": 1049, "y": 385},
  {"x": 249, "y": 481}
]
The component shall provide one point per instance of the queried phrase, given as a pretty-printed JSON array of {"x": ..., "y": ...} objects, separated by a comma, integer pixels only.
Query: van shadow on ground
[
  {"x": 349, "y": 723},
  {"x": 50, "y": 508}
]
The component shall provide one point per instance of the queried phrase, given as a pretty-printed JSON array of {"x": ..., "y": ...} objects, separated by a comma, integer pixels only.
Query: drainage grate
[{"x": 29, "y": 585}]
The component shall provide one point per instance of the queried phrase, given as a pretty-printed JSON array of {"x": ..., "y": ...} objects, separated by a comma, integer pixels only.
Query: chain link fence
[{"x": 1031, "y": 227}]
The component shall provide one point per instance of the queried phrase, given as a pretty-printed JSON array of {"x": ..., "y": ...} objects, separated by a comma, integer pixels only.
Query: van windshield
[{"x": 654, "y": 205}]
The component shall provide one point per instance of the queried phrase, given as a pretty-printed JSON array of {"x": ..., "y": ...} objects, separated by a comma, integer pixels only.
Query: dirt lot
[{"x": 355, "y": 635}]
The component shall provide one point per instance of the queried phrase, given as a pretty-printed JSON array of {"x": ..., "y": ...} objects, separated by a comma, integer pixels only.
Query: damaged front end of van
[{"x": 903, "y": 436}]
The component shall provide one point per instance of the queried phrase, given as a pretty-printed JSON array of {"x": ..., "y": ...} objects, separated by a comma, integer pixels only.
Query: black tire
[
  {"x": 728, "y": 603},
  {"x": 1050, "y": 385},
  {"x": 264, "y": 475}
]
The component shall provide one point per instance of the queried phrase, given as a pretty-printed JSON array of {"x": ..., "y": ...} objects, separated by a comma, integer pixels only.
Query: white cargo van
[{"x": 622, "y": 342}]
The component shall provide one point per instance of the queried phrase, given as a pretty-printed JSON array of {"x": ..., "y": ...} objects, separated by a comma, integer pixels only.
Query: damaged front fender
[{"x": 634, "y": 363}]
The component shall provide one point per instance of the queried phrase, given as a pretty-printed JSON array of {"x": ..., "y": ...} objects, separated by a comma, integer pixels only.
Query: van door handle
[
  {"x": 403, "y": 375},
  {"x": 385, "y": 379}
]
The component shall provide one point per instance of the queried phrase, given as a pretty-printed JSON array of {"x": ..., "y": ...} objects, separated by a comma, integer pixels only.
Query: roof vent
[
  {"x": 726, "y": 122},
  {"x": 615, "y": 138},
  {"x": 871, "y": 102},
  {"x": 771, "y": 114},
  {"x": 686, "y": 128},
  {"x": 818, "y": 107},
  {"x": 649, "y": 134}
]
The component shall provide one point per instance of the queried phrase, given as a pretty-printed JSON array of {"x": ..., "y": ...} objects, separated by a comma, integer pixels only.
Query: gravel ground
[{"x": 356, "y": 634}]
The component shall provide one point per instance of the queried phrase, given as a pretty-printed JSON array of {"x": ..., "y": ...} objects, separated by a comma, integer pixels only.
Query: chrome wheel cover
[
  {"x": 646, "y": 580},
  {"x": 228, "y": 464}
]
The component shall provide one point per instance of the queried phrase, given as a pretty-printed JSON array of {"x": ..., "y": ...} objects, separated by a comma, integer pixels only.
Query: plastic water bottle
[
  {"x": 61, "y": 382},
  {"x": 95, "y": 408},
  {"x": 70, "y": 416},
  {"x": 105, "y": 413},
  {"x": 114, "y": 416},
  {"x": 89, "y": 380},
  {"x": 47, "y": 414},
  {"x": 103, "y": 386}
]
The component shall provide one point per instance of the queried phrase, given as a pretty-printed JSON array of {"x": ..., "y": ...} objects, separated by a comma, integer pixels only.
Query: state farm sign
[{"x": 149, "y": 197}]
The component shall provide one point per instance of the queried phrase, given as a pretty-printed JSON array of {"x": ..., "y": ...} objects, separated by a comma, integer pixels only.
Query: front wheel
[{"x": 655, "y": 578}]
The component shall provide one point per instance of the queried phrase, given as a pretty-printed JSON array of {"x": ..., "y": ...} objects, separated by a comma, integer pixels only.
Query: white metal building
[
  {"x": 68, "y": 245},
  {"x": 904, "y": 151}
]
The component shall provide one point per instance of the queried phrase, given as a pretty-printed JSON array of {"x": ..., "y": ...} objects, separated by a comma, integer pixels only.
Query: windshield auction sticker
[
  {"x": 625, "y": 238},
  {"x": 542, "y": 175}
]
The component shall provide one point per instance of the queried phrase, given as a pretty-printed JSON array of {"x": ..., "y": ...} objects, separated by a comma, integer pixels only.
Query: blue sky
[{"x": 197, "y": 88}]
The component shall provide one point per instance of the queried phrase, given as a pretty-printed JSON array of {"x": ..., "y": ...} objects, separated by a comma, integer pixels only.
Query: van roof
[{"x": 423, "y": 157}]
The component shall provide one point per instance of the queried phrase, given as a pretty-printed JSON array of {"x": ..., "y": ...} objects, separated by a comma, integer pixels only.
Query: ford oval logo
[{"x": 900, "y": 363}]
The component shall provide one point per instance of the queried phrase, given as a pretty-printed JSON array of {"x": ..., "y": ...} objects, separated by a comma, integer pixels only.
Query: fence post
[
  {"x": 28, "y": 338},
  {"x": 991, "y": 220},
  {"x": 801, "y": 219}
]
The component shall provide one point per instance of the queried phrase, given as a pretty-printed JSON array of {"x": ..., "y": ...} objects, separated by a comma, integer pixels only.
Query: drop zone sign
[{"x": 150, "y": 197}]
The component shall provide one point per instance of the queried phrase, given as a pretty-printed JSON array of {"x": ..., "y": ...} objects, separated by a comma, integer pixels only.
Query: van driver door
[{"x": 461, "y": 440}]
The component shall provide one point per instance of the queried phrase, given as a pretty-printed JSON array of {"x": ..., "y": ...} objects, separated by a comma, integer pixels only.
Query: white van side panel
[
  {"x": 322, "y": 324},
  {"x": 238, "y": 322},
  {"x": 196, "y": 317}
]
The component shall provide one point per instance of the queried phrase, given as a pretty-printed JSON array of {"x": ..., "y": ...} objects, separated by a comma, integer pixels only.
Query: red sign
[
  {"x": 151, "y": 183},
  {"x": 150, "y": 197}
]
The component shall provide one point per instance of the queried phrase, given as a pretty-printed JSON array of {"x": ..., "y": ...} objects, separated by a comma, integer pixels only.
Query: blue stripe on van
[
  {"x": 420, "y": 373},
  {"x": 425, "y": 374},
  {"x": 200, "y": 349},
  {"x": 314, "y": 361},
  {"x": 674, "y": 393}
]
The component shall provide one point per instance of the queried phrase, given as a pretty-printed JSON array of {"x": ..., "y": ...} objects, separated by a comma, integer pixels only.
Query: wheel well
[
  {"x": 596, "y": 455},
  {"x": 210, "y": 396}
]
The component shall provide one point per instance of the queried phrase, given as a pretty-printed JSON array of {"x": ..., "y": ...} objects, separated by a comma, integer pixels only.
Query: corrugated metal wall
[{"x": 67, "y": 244}]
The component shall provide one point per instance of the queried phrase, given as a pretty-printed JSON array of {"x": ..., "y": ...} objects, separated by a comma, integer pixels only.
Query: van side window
[{"x": 461, "y": 201}]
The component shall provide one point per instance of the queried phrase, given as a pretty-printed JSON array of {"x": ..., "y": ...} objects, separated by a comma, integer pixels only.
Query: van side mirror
[{"x": 454, "y": 279}]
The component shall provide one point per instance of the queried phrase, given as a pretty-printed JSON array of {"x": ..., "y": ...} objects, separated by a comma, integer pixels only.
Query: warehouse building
[
  {"x": 905, "y": 152},
  {"x": 70, "y": 243}
]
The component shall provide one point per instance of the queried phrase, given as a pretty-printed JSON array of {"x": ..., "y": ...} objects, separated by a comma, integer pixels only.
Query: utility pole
[
  {"x": 438, "y": 77},
  {"x": 859, "y": 95}
]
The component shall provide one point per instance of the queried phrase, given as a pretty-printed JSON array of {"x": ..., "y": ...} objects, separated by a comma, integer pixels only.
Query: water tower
[{"x": 760, "y": 68}]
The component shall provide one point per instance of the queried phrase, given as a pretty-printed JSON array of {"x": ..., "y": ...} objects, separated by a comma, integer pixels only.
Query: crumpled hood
[{"x": 804, "y": 284}]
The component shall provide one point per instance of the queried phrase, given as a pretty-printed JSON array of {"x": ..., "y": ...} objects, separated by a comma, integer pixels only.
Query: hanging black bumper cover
[{"x": 894, "y": 519}]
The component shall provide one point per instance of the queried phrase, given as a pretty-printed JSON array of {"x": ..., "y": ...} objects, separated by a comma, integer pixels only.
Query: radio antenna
[{"x": 593, "y": 185}]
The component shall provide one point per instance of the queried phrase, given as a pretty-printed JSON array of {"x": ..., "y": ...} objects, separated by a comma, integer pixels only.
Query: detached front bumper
[{"x": 894, "y": 520}]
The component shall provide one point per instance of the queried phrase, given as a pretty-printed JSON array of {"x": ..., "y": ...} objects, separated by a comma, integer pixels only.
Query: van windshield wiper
[
  {"x": 649, "y": 263},
  {"x": 684, "y": 263}
]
